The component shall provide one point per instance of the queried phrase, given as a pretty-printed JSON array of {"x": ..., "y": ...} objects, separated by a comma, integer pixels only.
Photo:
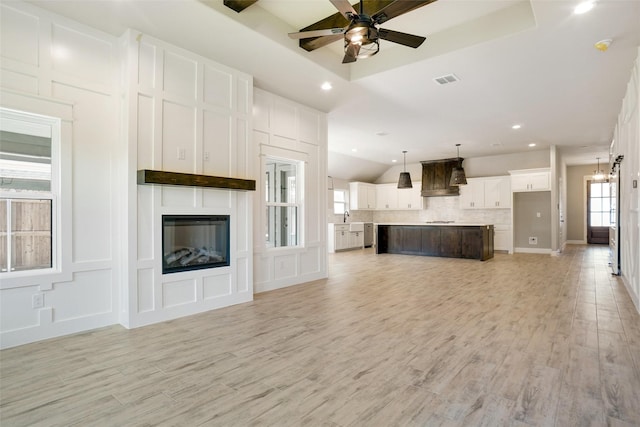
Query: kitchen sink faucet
[{"x": 344, "y": 216}]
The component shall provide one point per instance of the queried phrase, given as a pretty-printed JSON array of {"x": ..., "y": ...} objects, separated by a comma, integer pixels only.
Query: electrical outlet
[
  {"x": 533, "y": 240},
  {"x": 37, "y": 301},
  {"x": 181, "y": 153},
  {"x": 206, "y": 156}
]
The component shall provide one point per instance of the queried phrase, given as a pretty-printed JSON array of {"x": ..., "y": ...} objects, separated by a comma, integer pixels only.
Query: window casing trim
[{"x": 59, "y": 132}]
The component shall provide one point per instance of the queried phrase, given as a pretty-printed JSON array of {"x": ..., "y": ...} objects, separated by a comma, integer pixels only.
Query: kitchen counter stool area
[{"x": 452, "y": 241}]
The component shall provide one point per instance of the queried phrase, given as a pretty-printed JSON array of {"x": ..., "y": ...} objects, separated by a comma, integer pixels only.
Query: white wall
[
  {"x": 180, "y": 101},
  {"x": 291, "y": 131},
  {"x": 627, "y": 143},
  {"x": 57, "y": 67}
]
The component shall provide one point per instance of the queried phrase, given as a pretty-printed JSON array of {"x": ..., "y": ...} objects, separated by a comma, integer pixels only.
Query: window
[
  {"x": 28, "y": 158},
  {"x": 599, "y": 204},
  {"x": 282, "y": 191},
  {"x": 339, "y": 202}
]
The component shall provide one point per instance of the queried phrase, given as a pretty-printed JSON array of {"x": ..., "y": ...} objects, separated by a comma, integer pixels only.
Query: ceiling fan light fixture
[
  {"x": 458, "y": 176},
  {"x": 404, "y": 181}
]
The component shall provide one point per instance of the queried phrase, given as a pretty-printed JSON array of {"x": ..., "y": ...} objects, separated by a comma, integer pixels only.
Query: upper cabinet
[
  {"x": 486, "y": 193},
  {"x": 386, "y": 196},
  {"x": 362, "y": 196},
  {"x": 530, "y": 180},
  {"x": 410, "y": 198},
  {"x": 390, "y": 197}
]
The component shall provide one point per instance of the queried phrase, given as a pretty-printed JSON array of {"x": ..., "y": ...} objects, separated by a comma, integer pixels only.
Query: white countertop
[{"x": 458, "y": 224}]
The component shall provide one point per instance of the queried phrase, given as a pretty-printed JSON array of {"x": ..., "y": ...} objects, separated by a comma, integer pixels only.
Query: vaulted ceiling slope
[{"x": 531, "y": 63}]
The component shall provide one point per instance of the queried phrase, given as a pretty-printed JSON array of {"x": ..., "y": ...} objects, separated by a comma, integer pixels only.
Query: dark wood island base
[{"x": 453, "y": 241}]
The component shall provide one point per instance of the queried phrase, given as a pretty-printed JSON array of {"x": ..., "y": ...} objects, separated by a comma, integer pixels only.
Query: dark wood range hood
[
  {"x": 436, "y": 175},
  {"x": 147, "y": 176}
]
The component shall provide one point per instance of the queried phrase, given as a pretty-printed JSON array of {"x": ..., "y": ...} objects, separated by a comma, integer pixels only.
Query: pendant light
[
  {"x": 598, "y": 175},
  {"x": 405, "y": 177},
  {"x": 457, "y": 174}
]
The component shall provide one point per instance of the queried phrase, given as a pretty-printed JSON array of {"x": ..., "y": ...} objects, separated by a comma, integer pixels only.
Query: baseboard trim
[
  {"x": 576, "y": 242},
  {"x": 532, "y": 251}
]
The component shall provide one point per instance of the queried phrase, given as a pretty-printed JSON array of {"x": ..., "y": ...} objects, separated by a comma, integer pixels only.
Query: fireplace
[{"x": 194, "y": 242}]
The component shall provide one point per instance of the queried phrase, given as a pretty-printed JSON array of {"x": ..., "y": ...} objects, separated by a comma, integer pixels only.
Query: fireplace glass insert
[{"x": 194, "y": 242}]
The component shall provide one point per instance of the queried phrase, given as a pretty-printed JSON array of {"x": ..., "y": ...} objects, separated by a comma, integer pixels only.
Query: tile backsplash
[{"x": 446, "y": 208}]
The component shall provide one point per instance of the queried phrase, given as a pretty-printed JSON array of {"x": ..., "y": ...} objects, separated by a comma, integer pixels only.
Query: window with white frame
[
  {"x": 339, "y": 202},
  {"x": 29, "y": 146},
  {"x": 283, "y": 202}
]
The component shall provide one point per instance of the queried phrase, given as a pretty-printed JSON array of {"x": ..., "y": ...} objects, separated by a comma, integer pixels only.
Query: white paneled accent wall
[
  {"x": 284, "y": 129},
  {"x": 58, "y": 68},
  {"x": 185, "y": 114},
  {"x": 627, "y": 143}
]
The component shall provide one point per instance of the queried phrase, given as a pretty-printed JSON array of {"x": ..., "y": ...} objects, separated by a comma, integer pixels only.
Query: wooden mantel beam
[{"x": 147, "y": 176}]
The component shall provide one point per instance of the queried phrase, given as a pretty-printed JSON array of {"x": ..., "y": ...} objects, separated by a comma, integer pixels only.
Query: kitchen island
[{"x": 473, "y": 241}]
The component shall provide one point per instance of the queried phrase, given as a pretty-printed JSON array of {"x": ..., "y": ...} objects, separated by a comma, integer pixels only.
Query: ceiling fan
[{"x": 361, "y": 36}]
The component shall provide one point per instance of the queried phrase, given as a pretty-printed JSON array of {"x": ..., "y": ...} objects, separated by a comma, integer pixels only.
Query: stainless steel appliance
[{"x": 368, "y": 234}]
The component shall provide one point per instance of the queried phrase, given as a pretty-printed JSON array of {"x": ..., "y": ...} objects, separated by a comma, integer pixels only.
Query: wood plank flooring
[{"x": 387, "y": 340}]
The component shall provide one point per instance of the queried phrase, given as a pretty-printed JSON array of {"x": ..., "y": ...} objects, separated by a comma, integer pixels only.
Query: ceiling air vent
[{"x": 449, "y": 78}]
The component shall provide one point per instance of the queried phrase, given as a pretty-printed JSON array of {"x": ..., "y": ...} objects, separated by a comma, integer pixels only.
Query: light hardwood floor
[{"x": 387, "y": 340}]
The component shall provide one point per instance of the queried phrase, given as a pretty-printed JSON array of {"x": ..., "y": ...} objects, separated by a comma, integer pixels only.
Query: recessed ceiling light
[
  {"x": 354, "y": 149},
  {"x": 326, "y": 86},
  {"x": 532, "y": 144},
  {"x": 583, "y": 7},
  {"x": 393, "y": 161},
  {"x": 382, "y": 133},
  {"x": 516, "y": 127}
]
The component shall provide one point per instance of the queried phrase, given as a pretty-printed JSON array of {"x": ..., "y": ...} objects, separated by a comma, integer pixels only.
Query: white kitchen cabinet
[
  {"x": 502, "y": 237},
  {"x": 530, "y": 180},
  {"x": 339, "y": 237},
  {"x": 486, "y": 193},
  {"x": 497, "y": 192},
  {"x": 362, "y": 196},
  {"x": 410, "y": 198},
  {"x": 390, "y": 197},
  {"x": 386, "y": 196},
  {"x": 342, "y": 238},
  {"x": 472, "y": 194},
  {"x": 356, "y": 239}
]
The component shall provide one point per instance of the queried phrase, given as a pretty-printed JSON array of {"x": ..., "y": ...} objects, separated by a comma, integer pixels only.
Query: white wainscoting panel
[
  {"x": 179, "y": 75},
  {"x": 145, "y": 132},
  {"x": 216, "y": 141},
  {"x": 19, "y": 41},
  {"x": 94, "y": 134},
  {"x": 78, "y": 54},
  {"x": 178, "y": 137},
  {"x": 178, "y": 293},
  {"x": 146, "y": 290},
  {"x": 217, "y": 87},
  {"x": 17, "y": 311},
  {"x": 178, "y": 197},
  {"x": 89, "y": 293},
  {"x": 147, "y": 57},
  {"x": 216, "y": 286},
  {"x": 311, "y": 261}
]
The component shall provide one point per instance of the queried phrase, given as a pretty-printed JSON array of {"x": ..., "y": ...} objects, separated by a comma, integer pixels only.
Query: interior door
[{"x": 598, "y": 212}]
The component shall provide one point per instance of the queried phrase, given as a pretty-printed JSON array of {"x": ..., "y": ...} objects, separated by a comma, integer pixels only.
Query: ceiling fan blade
[
  {"x": 398, "y": 8},
  {"x": 344, "y": 7},
  {"x": 316, "y": 33},
  {"x": 351, "y": 54},
  {"x": 238, "y": 5},
  {"x": 401, "y": 38}
]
